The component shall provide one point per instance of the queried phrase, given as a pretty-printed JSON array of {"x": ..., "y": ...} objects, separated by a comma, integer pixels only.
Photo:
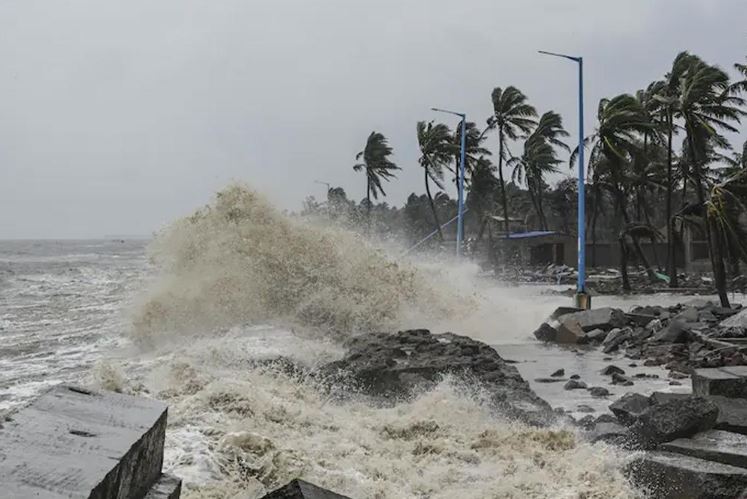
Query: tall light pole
[
  {"x": 583, "y": 300},
  {"x": 460, "y": 181}
]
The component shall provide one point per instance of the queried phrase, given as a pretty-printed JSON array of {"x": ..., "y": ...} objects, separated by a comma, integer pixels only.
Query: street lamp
[
  {"x": 460, "y": 181},
  {"x": 583, "y": 300}
]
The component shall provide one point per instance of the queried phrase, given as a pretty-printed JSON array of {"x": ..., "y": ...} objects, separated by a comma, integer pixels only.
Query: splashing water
[
  {"x": 238, "y": 429},
  {"x": 239, "y": 260}
]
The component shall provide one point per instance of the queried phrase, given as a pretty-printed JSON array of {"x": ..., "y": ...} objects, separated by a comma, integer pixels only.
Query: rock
[
  {"x": 619, "y": 379},
  {"x": 675, "y": 332},
  {"x": 638, "y": 319},
  {"x": 562, "y": 330},
  {"x": 599, "y": 391},
  {"x": 607, "y": 418},
  {"x": 559, "y": 373},
  {"x": 585, "y": 408},
  {"x": 689, "y": 314},
  {"x": 674, "y": 383},
  {"x": 732, "y": 413},
  {"x": 599, "y": 318},
  {"x": 632, "y": 364},
  {"x": 586, "y": 422},
  {"x": 298, "y": 489},
  {"x": 713, "y": 445},
  {"x": 396, "y": 365},
  {"x": 676, "y": 418},
  {"x": 629, "y": 407},
  {"x": 596, "y": 335},
  {"x": 549, "y": 380},
  {"x": 611, "y": 369},
  {"x": 673, "y": 476},
  {"x": 615, "y": 338},
  {"x": 611, "y": 433},
  {"x": 725, "y": 381},
  {"x": 574, "y": 384},
  {"x": 739, "y": 320},
  {"x": 575, "y": 376}
]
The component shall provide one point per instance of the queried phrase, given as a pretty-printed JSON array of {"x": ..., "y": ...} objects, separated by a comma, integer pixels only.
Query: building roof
[
  {"x": 499, "y": 218},
  {"x": 532, "y": 233}
]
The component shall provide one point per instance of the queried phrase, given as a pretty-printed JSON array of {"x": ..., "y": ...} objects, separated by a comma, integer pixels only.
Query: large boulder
[
  {"x": 676, "y": 332},
  {"x": 562, "y": 330},
  {"x": 605, "y": 318},
  {"x": 630, "y": 407},
  {"x": 396, "y": 365},
  {"x": 676, "y": 418}
]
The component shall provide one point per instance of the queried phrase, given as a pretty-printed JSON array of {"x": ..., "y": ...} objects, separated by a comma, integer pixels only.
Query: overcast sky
[{"x": 116, "y": 117}]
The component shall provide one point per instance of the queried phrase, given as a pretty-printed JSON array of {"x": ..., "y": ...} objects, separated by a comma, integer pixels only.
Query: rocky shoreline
[{"x": 686, "y": 444}]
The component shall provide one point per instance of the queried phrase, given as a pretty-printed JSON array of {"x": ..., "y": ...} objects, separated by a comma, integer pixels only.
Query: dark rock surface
[
  {"x": 675, "y": 418},
  {"x": 395, "y": 365},
  {"x": 299, "y": 489},
  {"x": 575, "y": 384},
  {"x": 630, "y": 407},
  {"x": 673, "y": 476},
  {"x": 599, "y": 391}
]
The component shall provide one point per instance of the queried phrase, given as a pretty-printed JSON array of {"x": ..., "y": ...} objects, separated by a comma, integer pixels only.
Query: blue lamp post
[
  {"x": 583, "y": 300},
  {"x": 460, "y": 181}
]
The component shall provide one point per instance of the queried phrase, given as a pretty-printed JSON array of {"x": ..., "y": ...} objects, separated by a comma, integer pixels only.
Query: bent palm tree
[
  {"x": 621, "y": 120},
  {"x": 436, "y": 153},
  {"x": 513, "y": 118},
  {"x": 708, "y": 104},
  {"x": 539, "y": 159},
  {"x": 377, "y": 166}
]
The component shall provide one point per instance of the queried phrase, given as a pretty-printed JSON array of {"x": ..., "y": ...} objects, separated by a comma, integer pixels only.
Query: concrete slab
[
  {"x": 719, "y": 381},
  {"x": 74, "y": 442},
  {"x": 167, "y": 487},
  {"x": 674, "y": 476},
  {"x": 714, "y": 445}
]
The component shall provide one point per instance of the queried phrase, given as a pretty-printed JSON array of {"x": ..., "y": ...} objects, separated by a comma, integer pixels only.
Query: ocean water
[{"x": 190, "y": 316}]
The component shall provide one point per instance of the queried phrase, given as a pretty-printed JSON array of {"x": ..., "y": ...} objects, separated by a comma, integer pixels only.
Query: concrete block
[
  {"x": 298, "y": 489},
  {"x": 674, "y": 476},
  {"x": 713, "y": 445},
  {"x": 719, "y": 381},
  {"x": 167, "y": 487},
  {"x": 599, "y": 318},
  {"x": 74, "y": 442}
]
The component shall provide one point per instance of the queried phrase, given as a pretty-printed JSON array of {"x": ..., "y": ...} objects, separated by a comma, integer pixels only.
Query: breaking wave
[{"x": 239, "y": 260}]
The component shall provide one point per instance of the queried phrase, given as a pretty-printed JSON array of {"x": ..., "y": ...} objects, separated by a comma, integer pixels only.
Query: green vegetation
[{"x": 660, "y": 162}]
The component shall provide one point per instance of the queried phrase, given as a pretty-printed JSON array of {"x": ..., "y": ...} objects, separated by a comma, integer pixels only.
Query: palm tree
[
  {"x": 513, "y": 118},
  {"x": 741, "y": 86},
  {"x": 539, "y": 159},
  {"x": 473, "y": 149},
  {"x": 482, "y": 198},
  {"x": 708, "y": 104},
  {"x": 667, "y": 92},
  {"x": 436, "y": 152},
  {"x": 621, "y": 120},
  {"x": 377, "y": 166}
]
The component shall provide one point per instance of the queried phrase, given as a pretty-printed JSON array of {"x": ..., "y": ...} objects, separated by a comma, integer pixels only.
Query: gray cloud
[{"x": 116, "y": 117}]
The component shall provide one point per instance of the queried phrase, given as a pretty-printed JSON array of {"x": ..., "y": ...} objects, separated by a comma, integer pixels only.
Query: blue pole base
[{"x": 582, "y": 300}]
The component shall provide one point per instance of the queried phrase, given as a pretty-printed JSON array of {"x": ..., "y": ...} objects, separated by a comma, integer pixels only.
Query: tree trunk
[
  {"x": 713, "y": 239},
  {"x": 595, "y": 214},
  {"x": 503, "y": 185},
  {"x": 636, "y": 244},
  {"x": 543, "y": 219},
  {"x": 433, "y": 206},
  {"x": 533, "y": 198},
  {"x": 624, "y": 264},
  {"x": 368, "y": 202},
  {"x": 671, "y": 248}
]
